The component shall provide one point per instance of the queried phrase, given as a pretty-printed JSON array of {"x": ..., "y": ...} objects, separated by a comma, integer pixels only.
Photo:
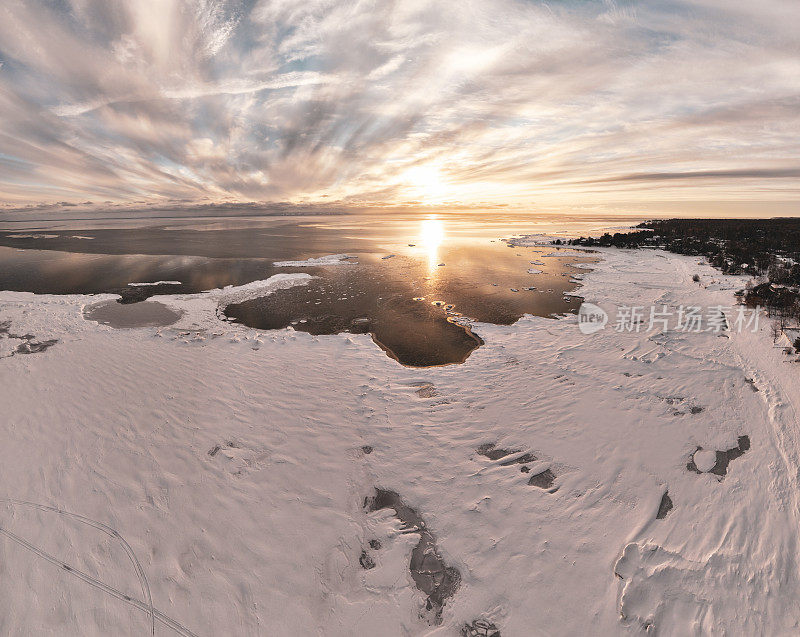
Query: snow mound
[{"x": 705, "y": 459}]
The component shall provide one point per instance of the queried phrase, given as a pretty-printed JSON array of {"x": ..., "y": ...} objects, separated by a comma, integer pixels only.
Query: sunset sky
[{"x": 659, "y": 106}]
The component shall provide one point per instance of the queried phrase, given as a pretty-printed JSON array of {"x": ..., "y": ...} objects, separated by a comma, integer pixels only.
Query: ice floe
[
  {"x": 329, "y": 259},
  {"x": 155, "y": 283}
]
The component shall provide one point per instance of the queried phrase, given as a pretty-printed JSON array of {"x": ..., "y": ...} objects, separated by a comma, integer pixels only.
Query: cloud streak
[{"x": 513, "y": 102}]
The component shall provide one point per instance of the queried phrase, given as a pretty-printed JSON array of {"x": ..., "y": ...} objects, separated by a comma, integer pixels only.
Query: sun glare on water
[{"x": 431, "y": 237}]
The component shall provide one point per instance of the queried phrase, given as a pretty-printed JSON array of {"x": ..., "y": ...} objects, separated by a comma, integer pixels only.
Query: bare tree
[
  {"x": 775, "y": 330},
  {"x": 784, "y": 314}
]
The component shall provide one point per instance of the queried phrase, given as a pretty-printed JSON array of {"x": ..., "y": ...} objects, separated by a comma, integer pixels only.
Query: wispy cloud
[
  {"x": 744, "y": 173},
  {"x": 554, "y": 104}
]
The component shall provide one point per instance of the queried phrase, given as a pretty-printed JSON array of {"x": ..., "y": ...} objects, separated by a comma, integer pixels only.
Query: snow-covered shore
[{"x": 235, "y": 465}]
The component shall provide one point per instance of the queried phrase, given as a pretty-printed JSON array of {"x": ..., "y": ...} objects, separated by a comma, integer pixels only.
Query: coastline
[{"x": 118, "y": 425}]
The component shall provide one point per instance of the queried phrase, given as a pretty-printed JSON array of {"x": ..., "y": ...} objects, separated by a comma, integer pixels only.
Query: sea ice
[
  {"x": 155, "y": 283},
  {"x": 329, "y": 259}
]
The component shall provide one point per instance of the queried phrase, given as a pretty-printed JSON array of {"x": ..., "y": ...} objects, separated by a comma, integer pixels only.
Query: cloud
[
  {"x": 503, "y": 101},
  {"x": 744, "y": 173}
]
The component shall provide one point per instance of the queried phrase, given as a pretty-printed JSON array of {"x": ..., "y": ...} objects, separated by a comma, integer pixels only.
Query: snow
[
  {"x": 532, "y": 240},
  {"x": 534, "y": 271},
  {"x": 241, "y": 293},
  {"x": 705, "y": 460},
  {"x": 788, "y": 337},
  {"x": 264, "y": 535},
  {"x": 328, "y": 259},
  {"x": 568, "y": 253},
  {"x": 155, "y": 283}
]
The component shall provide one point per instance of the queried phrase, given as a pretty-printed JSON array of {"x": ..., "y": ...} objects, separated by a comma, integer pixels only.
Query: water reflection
[
  {"x": 56, "y": 272},
  {"x": 404, "y": 302},
  {"x": 409, "y": 312},
  {"x": 431, "y": 237},
  {"x": 147, "y": 314}
]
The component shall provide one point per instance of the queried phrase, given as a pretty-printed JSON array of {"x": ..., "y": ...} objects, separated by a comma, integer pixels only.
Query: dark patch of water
[
  {"x": 419, "y": 313},
  {"x": 29, "y": 343},
  {"x": 122, "y": 316},
  {"x": 543, "y": 480},
  {"x": 723, "y": 458},
  {"x": 664, "y": 507},
  {"x": 366, "y": 561},
  {"x": 525, "y": 457},
  {"x": 414, "y": 305},
  {"x": 491, "y": 451},
  {"x": 480, "y": 628},
  {"x": 428, "y": 570},
  {"x": 51, "y": 272}
]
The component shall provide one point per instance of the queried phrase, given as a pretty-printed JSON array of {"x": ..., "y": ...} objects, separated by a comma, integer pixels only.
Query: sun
[{"x": 425, "y": 182}]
